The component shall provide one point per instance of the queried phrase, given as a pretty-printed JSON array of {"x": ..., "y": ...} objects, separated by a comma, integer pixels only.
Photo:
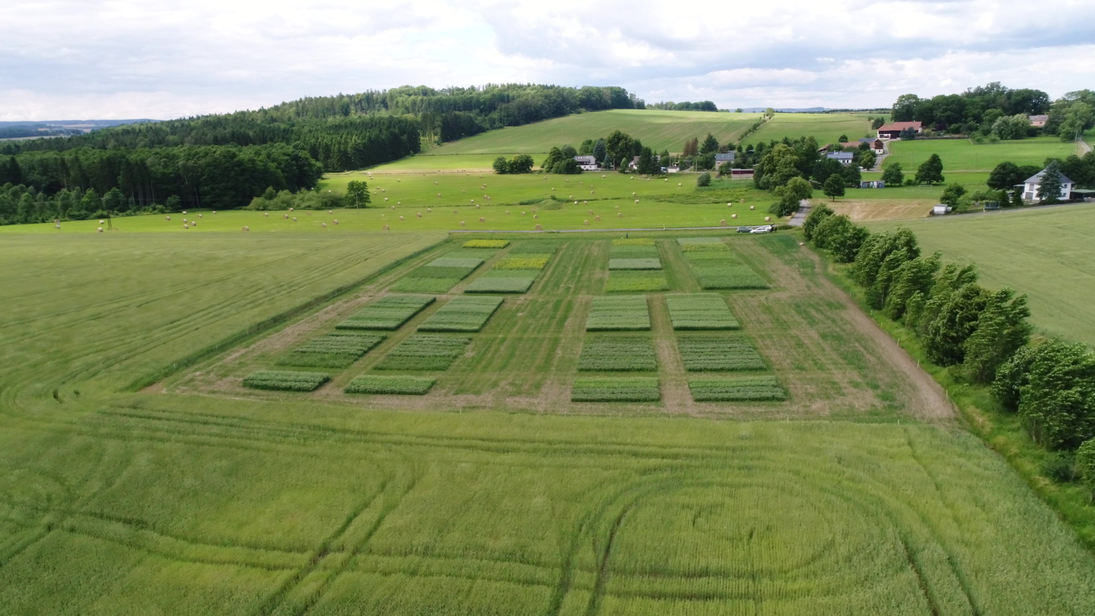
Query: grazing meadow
[{"x": 517, "y": 465}]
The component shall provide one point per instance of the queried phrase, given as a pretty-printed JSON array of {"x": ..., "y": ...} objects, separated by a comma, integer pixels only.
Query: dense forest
[{"x": 225, "y": 160}]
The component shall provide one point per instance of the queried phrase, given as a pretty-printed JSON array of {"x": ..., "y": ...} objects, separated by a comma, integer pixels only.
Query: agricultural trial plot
[
  {"x": 616, "y": 389},
  {"x": 618, "y": 354},
  {"x": 462, "y": 314},
  {"x": 743, "y": 388},
  {"x": 425, "y": 352},
  {"x": 700, "y": 311},
  {"x": 286, "y": 380},
  {"x": 332, "y": 350},
  {"x": 138, "y": 476},
  {"x": 438, "y": 276},
  {"x": 718, "y": 353},
  {"x": 405, "y": 385},
  {"x": 387, "y": 313},
  {"x": 618, "y": 313},
  {"x": 721, "y": 269}
]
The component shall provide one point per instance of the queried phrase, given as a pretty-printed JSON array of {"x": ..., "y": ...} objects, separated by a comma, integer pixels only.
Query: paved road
[
  {"x": 1084, "y": 147},
  {"x": 801, "y": 214}
]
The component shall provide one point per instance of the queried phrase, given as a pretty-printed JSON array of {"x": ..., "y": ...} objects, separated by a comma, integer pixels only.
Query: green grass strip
[
  {"x": 618, "y": 354},
  {"x": 620, "y": 313},
  {"x": 388, "y": 313},
  {"x": 699, "y": 311},
  {"x": 508, "y": 284},
  {"x": 338, "y": 350},
  {"x": 615, "y": 389},
  {"x": 719, "y": 354},
  {"x": 425, "y": 352},
  {"x": 401, "y": 385},
  {"x": 737, "y": 389},
  {"x": 621, "y": 281},
  {"x": 462, "y": 314},
  {"x": 285, "y": 380}
]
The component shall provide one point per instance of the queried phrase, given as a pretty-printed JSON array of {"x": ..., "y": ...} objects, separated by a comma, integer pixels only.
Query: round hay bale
[
  {"x": 632, "y": 194},
  {"x": 731, "y": 204},
  {"x": 169, "y": 218},
  {"x": 294, "y": 218},
  {"x": 522, "y": 213},
  {"x": 617, "y": 207},
  {"x": 636, "y": 201},
  {"x": 481, "y": 219},
  {"x": 102, "y": 222},
  {"x": 733, "y": 216},
  {"x": 385, "y": 198},
  {"x": 722, "y": 222},
  {"x": 802, "y": 243},
  {"x": 400, "y": 218},
  {"x": 585, "y": 222},
  {"x": 290, "y": 209},
  {"x": 461, "y": 223},
  {"x": 619, "y": 214},
  {"x": 184, "y": 211},
  {"x": 193, "y": 223},
  {"x": 323, "y": 224},
  {"x": 767, "y": 219},
  {"x": 199, "y": 215},
  {"x": 266, "y": 213},
  {"x": 385, "y": 227},
  {"x": 596, "y": 218},
  {"x": 602, "y": 177},
  {"x": 418, "y": 214},
  {"x": 539, "y": 228},
  {"x": 286, "y": 217},
  {"x": 590, "y": 211},
  {"x": 246, "y": 228},
  {"x": 335, "y": 221},
  {"x": 752, "y": 207},
  {"x": 186, "y": 226},
  {"x": 535, "y": 215},
  {"x": 100, "y": 229},
  {"x": 438, "y": 194},
  {"x": 398, "y": 203},
  {"x": 507, "y": 211}
]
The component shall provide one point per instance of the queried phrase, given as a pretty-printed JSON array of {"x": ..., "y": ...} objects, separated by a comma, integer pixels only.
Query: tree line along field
[
  {"x": 1044, "y": 252},
  {"x": 115, "y": 500}
]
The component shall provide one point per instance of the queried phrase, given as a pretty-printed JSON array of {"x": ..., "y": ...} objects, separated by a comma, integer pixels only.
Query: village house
[
  {"x": 726, "y": 157},
  {"x": 587, "y": 163},
  {"x": 634, "y": 164},
  {"x": 893, "y": 129},
  {"x": 844, "y": 158},
  {"x": 1030, "y": 186},
  {"x": 1038, "y": 121},
  {"x": 877, "y": 146}
]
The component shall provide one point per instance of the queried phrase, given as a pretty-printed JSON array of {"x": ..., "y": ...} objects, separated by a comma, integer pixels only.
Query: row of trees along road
[{"x": 982, "y": 336}]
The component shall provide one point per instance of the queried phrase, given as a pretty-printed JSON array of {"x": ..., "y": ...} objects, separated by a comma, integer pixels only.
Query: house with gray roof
[
  {"x": 844, "y": 158},
  {"x": 725, "y": 157},
  {"x": 1030, "y": 186}
]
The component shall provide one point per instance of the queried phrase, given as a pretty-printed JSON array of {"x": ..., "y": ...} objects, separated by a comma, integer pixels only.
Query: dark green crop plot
[
  {"x": 462, "y": 314},
  {"x": 719, "y": 353},
  {"x": 616, "y": 389},
  {"x": 633, "y": 251},
  {"x": 700, "y": 311},
  {"x": 388, "y": 313},
  {"x": 337, "y": 350},
  {"x": 645, "y": 263},
  {"x": 405, "y": 385},
  {"x": 425, "y": 352},
  {"x": 501, "y": 284},
  {"x": 716, "y": 267},
  {"x": 621, "y": 281},
  {"x": 536, "y": 247},
  {"x": 736, "y": 389},
  {"x": 618, "y": 354},
  {"x": 285, "y": 380},
  {"x": 618, "y": 314},
  {"x": 438, "y": 276}
]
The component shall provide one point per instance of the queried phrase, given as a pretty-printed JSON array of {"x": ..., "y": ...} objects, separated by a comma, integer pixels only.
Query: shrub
[
  {"x": 738, "y": 389},
  {"x": 616, "y": 389},
  {"x": 284, "y": 380},
  {"x": 719, "y": 354},
  {"x": 387, "y": 313},
  {"x": 618, "y": 354},
  {"x": 621, "y": 313},
  {"x": 700, "y": 311},
  {"x": 332, "y": 350},
  {"x": 462, "y": 314},
  {"x": 425, "y": 352},
  {"x": 405, "y": 385},
  {"x": 703, "y": 179}
]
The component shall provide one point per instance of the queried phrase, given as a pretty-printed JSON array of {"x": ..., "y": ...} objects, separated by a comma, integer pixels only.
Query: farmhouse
[
  {"x": 876, "y": 145},
  {"x": 586, "y": 163},
  {"x": 1038, "y": 121},
  {"x": 727, "y": 157},
  {"x": 634, "y": 164},
  {"x": 893, "y": 129},
  {"x": 844, "y": 158},
  {"x": 1030, "y": 186}
]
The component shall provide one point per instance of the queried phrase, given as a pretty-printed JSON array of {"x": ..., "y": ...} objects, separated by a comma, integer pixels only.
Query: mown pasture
[
  {"x": 964, "y": 155},
  {"x": 825, "y": 127},
  {"x": 116, "y": 498},
  {"x": 1044, "y": 252}
]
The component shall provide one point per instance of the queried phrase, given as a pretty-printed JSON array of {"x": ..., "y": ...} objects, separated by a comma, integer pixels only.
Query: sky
[{"x": 92, "y": 59}]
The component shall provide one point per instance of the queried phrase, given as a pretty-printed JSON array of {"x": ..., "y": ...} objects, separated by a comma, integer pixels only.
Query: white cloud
[{"x": 132, "y": 58}]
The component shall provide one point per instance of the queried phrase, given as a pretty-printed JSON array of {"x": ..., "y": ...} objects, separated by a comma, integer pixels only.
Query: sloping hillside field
[{"x": 271, "y": 424}]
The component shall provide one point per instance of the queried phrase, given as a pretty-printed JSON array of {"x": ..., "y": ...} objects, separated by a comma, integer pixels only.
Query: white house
[
  {"x": 940, "y": 210},
  {"x": 844, "y": 158},
  {"x": 587, "y": 163},
  {"x": 1030, "y": 186}
]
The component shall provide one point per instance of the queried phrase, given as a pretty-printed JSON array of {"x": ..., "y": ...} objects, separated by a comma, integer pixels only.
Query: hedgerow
[
  {"x": 332, "y": 350},
  {"x": 388, "y": 313},
  {"x": 636, "y": 282},
  {"x": 486, "y": 244},
  {"x": 717, "y": 354},
  {"x": 615, "y": 389},
  {"x": 285, "y": 380},
  {"x": 618, "y": 354},
  {"x": 618, "y": 314},
  {"x": 737, "y": 389},
  {"x": 425, "y": 352},
  {"x": 405, "y": 385},
  {"x": 700, "y": 311},
  {"x": 462, "y": 314}
]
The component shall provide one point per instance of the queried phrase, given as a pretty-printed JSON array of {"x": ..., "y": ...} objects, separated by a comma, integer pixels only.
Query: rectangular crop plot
[
  {"x": 719, "y": 354},
  {"x": 285, "y": 380},
  {"x": 647, "y": 263},
  {"x": 737, "y": 389},
  {"x": 524, "y": 262},
  {"x": 622, "y": 281},
  {"x": 388, "y": 313},
  {"x": 437, "y": 276},
  {"x": 501, "y": 284},
  {"x": 402, "y": 385},
  {"x": 486, "y": 244},
  {"x": 633, "y": 252},
  {"x": 615, "y": 389},
  {"x": 700, "y": 311},
  {"x": 702, "y": 244},
  {"x": 627, "y": 313},
  {"x": 468, "y": 263},
  {"x": 535, "y": 247},
  {"x": 633, "y": 241},
  {"x": 337, "y": 350},
  {"x": 462, "y": 314},
  {"x": 425, "y": 352},
  {"x": 713, "y": 276},
  {"x": 424, "y": 285},
  {"x": 618, "y": 354}
]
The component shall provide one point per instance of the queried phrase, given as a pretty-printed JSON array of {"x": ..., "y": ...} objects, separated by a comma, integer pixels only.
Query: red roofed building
[{"x": 893, "y": 129}]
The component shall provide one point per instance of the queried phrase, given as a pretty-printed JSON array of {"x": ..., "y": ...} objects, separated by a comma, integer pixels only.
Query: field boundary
[{"x": 267, "y": 324}]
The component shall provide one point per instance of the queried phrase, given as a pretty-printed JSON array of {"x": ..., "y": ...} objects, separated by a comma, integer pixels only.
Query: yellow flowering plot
[
  {"x": 527, "y": 262},
  {"x": 633, "y": 241},
  {"x": 486, "y": 243}
]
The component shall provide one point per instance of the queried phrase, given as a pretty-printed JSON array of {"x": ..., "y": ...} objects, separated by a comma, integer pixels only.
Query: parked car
[{"x": 764, "y": 229}]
